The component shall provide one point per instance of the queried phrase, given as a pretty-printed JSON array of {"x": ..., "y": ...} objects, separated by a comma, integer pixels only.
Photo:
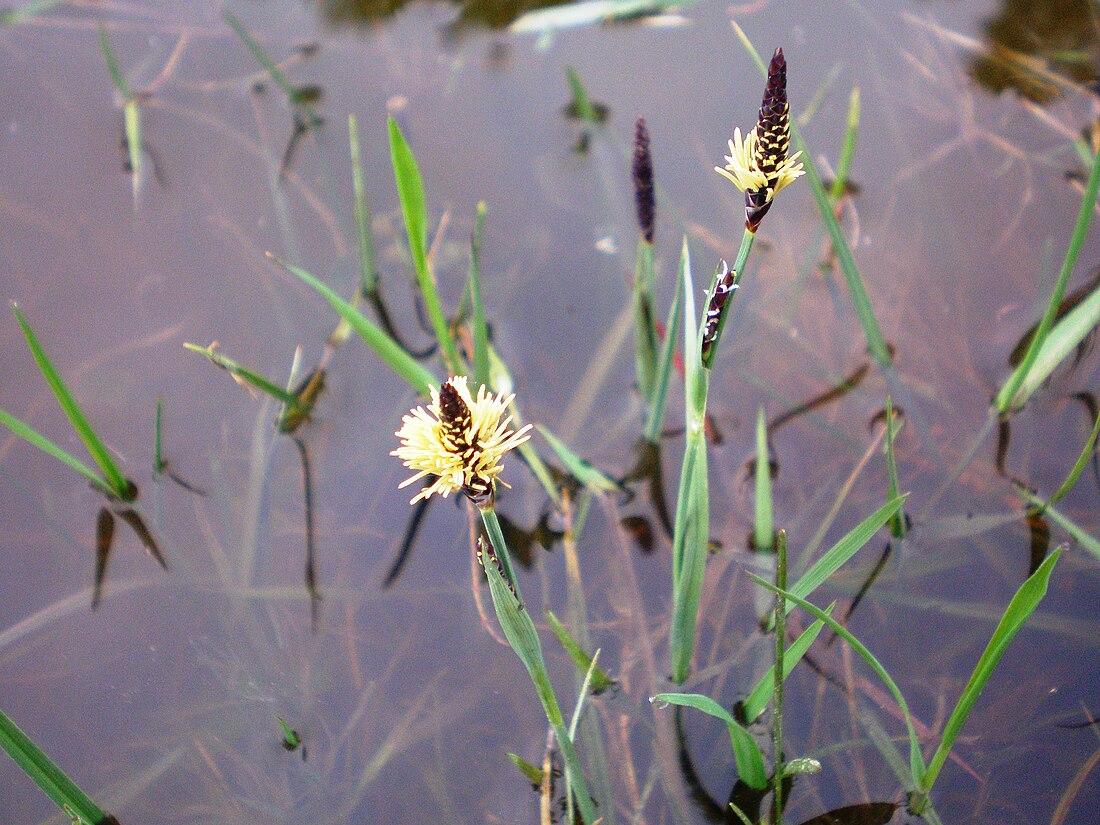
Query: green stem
[
  {"x": 496, "y": 538},
  {"x": 780, "y": 645}
]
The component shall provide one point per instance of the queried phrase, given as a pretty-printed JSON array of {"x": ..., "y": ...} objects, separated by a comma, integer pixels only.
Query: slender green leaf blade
[
  {"x": 410, "y": 190},
  {"x": 600, "y": 680},
  {"x": 532, "y": 773},
  {"x": 112, "y": 64},
  {"x": 1078, "y": 466},
  {"x": 756, "y": 701},
  {"x": 481, "y": 328},
  {"x": 368, "y": 276},
  {"x": 897, "y": 521},
  {"x": 116, "y": 481},
  {"x": 249, "y": 376},
  {"x": 1061, "y": 340},
  {"x": 844, "y": 549},
  {"x": 848, "y": 148},
  {"x": 645, "y": 327},
  {"x": 391, "y": 353},
  {"x": 916, "y": 761},
  {"x": 656, "y": 415},
  {"x": 750, "y": 762},
  {"x": 763, "y": 529},
  {"x": 31, "y": 435},
  {"x": 131, "y": 118},
  {"x": 588, "y": 475},
  {"x": 1012, "y": 394},
  {"x": 42, "y": 770},
  {"x": 1023, "y": 604}
]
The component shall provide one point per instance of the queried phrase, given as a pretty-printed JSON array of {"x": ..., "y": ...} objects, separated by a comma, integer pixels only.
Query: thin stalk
[
  {"x": 764, "y": 529},
  {"x": 368, "y": 276},
  {"x": 496, "y": 538},
  {"x": 780, "y": 650},
  {"x": 897, "y": 521}
]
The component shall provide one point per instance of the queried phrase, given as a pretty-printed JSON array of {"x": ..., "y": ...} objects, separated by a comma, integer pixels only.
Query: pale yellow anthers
[
  {"x": 743, "y": 169},
  {"x": 460, "y": 440}
]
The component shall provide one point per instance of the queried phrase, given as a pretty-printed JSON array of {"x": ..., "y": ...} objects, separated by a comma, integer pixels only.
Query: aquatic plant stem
[
  {"x": 780, "y": 645},
  {"x": 738, "y": 270},
  {"x": 523, "y": 638},
  {"x": 496, "y": 538}
]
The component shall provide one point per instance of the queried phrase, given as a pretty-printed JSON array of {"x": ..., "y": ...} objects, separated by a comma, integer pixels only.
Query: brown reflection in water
[
  {"x": 521, "y": 542},
  {"x": 412, "y": 530},
  {"x": 1029, "y": 40},
  {"x": 835, "y": 393},
  {"x": 104, "y": 543},
  {"x": 647, "y": 468},
  {"x": 1039, "y": 540},
  {"x": 868, "y": 813}
]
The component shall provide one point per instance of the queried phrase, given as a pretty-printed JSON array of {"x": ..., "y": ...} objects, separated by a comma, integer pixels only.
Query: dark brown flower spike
[{"x": 645, "y": 200}]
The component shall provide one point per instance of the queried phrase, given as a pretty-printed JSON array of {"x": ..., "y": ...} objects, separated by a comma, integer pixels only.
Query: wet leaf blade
[
  {"x": 368, "y": 276},
  {"x": 916, "y": 762},
  {"x": 1023, "y": 604},
  {"x": 591, "y": 477},
  {"x": 251, "y": 377},
  {"x": 897, "y": 521},
  {"x": 50, "y": 779},
  {"x": 584, "y": 663},
  {"x": 847, "y": 148},
  {"x": 116, "y": 481},
  {"x": 843, "y": 550},
  {"x": 763, "y": 529},
  {"x": 391, "y": 353},
  {"x": 750, "y": 762},
  {"x": 1078, "y": 466},
  {"x": 481, "y": 327},
  {"x": 1013, "y": 394},
  {"x": 656, "y": 417},
  {"x": 756, "y": 701},
  {"x": 414, "y": 207},
  {"x": 32, "y": 436},
  {"x": 645, "y": 328},
  {"x": 1062, "y": 339}
]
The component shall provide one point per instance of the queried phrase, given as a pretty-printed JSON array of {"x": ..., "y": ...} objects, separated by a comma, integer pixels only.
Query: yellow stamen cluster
[
  {"x": 743, "y": 165},
  {"x": 460, "y": 440}
]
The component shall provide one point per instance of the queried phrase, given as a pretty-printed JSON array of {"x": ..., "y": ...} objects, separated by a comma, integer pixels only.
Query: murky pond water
[{"x": 162, "y": 703}]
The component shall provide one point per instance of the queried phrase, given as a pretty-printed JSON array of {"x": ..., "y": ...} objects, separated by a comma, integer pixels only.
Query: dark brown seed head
[
  {"x": 455, "y": 417},
  {"x": 644, "y": 199},
  {"x": 773, "y": 127}
]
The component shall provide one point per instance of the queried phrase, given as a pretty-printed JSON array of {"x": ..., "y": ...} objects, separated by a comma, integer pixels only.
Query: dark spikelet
[
  {"x": 455, "y": 416},
  {"x": 487, "y": 555},
  {"x": 482, "y": 493},
  {"x": 644, "y": 200},
  {"x": 722, "y": 290},
  {"x": 773, "y": 139}
]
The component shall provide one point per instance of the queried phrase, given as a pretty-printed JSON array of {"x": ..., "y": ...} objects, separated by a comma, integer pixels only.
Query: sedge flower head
[
  {"x": 758, "y": 164},
  {"x": 460, "y": 441}
]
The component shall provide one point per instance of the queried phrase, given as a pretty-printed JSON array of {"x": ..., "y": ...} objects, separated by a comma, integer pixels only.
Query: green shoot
[
  {"x": 532, "y": 773},
  {"x": 1015, "y": 392},
  {"x": 645, "y": 325},
  {"x": 131, "y": 115},
  {"x": 481, "y": 328},
  {"x": 763, "y": 529},
  {"x": 658, "y": 401},
  {"x": 291, "y": 740},
  {"x": 581, "y": 105},
  {"x": 847, "y": 149},
  {"x": 750, "y": 762},
  {"x": 391, "y": 353},
  {"x": 897, "y": 521},
  {"x": 368, "y": 275},
  {"x": 244, "y": 376},
  {"x": 780, "y": 631},
  {"x": 159, "y": 464},
  {"x": 755, "y": 702},
  {"x": 600, "y": 680},
  {"x": 294, "y": 95},
  {"x": 53, "y": 782},
  {"x": 113, "y": 482},
  {"x": 1065, "y": 336},
  {"x": 591, "y": 477},
  {"x": 410, "y": 190}
]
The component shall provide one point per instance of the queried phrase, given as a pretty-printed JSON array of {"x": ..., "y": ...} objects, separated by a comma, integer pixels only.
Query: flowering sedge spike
[
  {"x": 758, "y": 165},
  {"x": 644, "y": 200},
  {"x": 460, "y": 440},
  {"x": 487, "y": 555},
  {"x": 723, "y": 289}
]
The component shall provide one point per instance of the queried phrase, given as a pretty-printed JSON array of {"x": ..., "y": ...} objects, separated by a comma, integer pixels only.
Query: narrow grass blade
[
  {"x": 1012, "y": 394},
  {"x": 750, "y": 762},
  {"x": 1057, "y": 342},
  {"x": 659, "y": 400},
  {"x": 244, "y": 375},
  {"x": 368, "y": 275},
  {"x": 10, "y": 17},
  {"x": 779, "y": 673},
  {"x": 594, "y": 479},
  {"x": 1076, "y": 532},
  {"x": 391, "y": 353},
  {"x": 1023, "y": 604},
  {"x": 691, "y": 530},
  {"x": 763, "y": 529},
  {"x": 293, "y": 93},
  {"x": 916, "y": 762},
  {"x": 410, "y": 190},
  {"x": 159, "y": 464},
  {"x": 116, "y": 481},
  {"x": 481, "y": 328},
  {"x": 531, "y": 773},
  {"x": 581, "y": 105},
  {"x": 897, "y": 521},
  {"x": 875, "y": 342},
  {"x": 131, "y": 115},
  {"x": 523, "y": 638},
  {"x": 1078, "y": 467},
  {"x": 600, "y": 680},
  {"x": 844, "y": 549},
  {"x": 53, "y": 782},
  {"x": 756, "y": 701},
  {"x": 645, "y": 326},
  {"x": 31, "y": 435},
  {"x": 847, "y": 149}
]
